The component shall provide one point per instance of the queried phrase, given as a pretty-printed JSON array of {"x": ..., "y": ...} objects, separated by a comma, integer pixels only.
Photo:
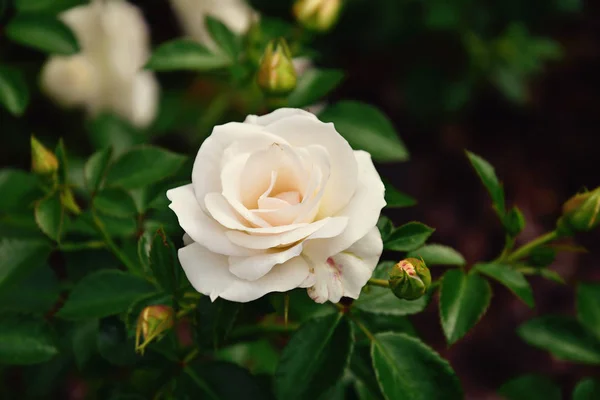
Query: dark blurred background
[{"x": 516, "y": 82}]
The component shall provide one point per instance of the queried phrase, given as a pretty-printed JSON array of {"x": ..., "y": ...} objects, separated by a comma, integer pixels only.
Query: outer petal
[
  {"x": 280, "y": 113},
  {"x": 201, "y": 227},
  {"x": 208, "y": 165},
  {"x": 209, "y": 274},
  {"x": 362, "y": 211},
  {"x": 304, "y": 131}
]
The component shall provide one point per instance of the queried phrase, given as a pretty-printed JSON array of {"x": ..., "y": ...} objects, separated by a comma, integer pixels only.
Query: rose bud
[
  {"x": 43, "y": 161},
  {"x": 276, "y": 73},
  {"x": 410, "y": 279},
  {"x": 152, "y": 323},
  {"x": 317, "y": 15},
  {"x": 581, "y": 212}
]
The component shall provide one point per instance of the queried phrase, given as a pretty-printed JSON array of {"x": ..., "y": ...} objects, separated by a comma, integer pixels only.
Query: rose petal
[
  {"x": 206, "y": 174},
  {"x": 362, "y": 212},
  {"x": 277, "y": 115},
  {"x": 199, "y": 226},
  {"x": 303, "y": 131}
]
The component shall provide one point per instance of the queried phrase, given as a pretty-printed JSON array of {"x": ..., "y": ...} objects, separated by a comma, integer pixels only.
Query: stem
[
  {"x": 123, "y": 258},
  {"x": 250, "y": 330},
  {"x": 94, "y": 244},
  {"x": 524, "y": 250},
  {"x": 379, "y": 282},
  {"x": 362, "y": 327}
]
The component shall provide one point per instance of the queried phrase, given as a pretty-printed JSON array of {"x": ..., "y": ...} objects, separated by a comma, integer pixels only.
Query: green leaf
[
  {"x": 19, "y": 189},
  {"x": 113, "y": 343},
  {"x": 163, "y": 262},
  {"x": 143, "y": 166},
  {"x": 84, "y": 342},
  {"x": 406, "y": 368},
  {"x": 42, "y": 32},
  {"x": 366, "y": 128},
  {"x": 511, "y": 278},
  {"x": 382, "y": 301},
  {"x": 490, "y": 180},
  {"x": 116, "y": 202},
  {"x": 49, "y": 216},
  {"x": 95, "y": 169},
  {"x": 315, "y": 358},
  {"x": 437, "y": 254},
  {"x": 108, "y": 130},
  {"x": 61, "y": 156},
  {"x": 514, "y": 222},
  {"x": 260, "y": 356},
  {"x": 588, "y": 306},
  {"x": 37, "y": 294},
  {"x": 542, "y": 256},
  {"x": 464, "y": 299},
  {"x": 223, "y": 37},
  {"x": 530, "y": 387},
  {"x": 408, "y": 237},
  {"x": 47, "y": 6},
  {"x": 587, "y": 389},
  {"x": 361, "y": 366},
  {"x": 385, "y": 226},
  {"x": 19, "y": 258},
  {"x": 214, "y": 320},
  {"x": 25, "y": 340},
  {"x": 104, "y": 293},
  {"x": 551, "y": 275},
  {"x": 185, "y": 54},
  {"x": 377, "y": 323},
  {"x": 14, "y": 93},
  {"x": 218, "y": 380},
  {"x": 395, "y": 198},
  {"x": 313, "y": 85},
  {"x": 564, "y": 337}
]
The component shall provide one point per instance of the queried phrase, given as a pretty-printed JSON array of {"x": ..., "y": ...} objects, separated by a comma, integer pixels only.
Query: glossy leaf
[
  {"x": 488, "y": 176},
  {"x": 313, "y": 85},
  {"x": 564, "y": 337},
  {"x": 95, "y": 169},
  {"x": 163, "y": 262},
  {"x": 19, "y": 258},
  {"x": 395, "y": 198},
  {"x": 511, "y": 278},
  {"x": 84, "y": 341},
  {"x": 227, "y": 41},
  {"x": 314, "y": 359},
  {"x": 385, "y": 226},
  {"x": 114, "y": 345},
  {"x": 108, "y": 130},
  {"x": 214, "y": 321},
  {"x": 406, "y": 368},
  {"x": 42, "y": 32},
  {"x": 366, "y": 128},
  {"x": 588, "y": 306},
  {"x": 464, "y": 299},
  {"x": 530, "y": 387},
  {"x": 116, "y": 202},
  {"x": 143, "y": 166},
  {"x": 437, "y": 254},
  {"x": 408, "y": 237},
  {"x": 45, "y": 6},
  {"x": 185, "y": 54},
  {"x": 25, "y": 340},
  {"x": 49, "y": 216},
  {"x": 587, "y": 389},
  {"x": 36, "y": 294},
  {"x": 19, "y": 189},
  {"x": 104, "y": 293},
  {"x": 14, "y": 93},
  {"x": 382, "y": 301}
]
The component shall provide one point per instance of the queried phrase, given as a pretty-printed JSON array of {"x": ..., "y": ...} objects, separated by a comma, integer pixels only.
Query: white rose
[
  {"x": 106, "y": 75},
  {"x": 237, "y": 15},
  {"x": 279, "y": 202}
]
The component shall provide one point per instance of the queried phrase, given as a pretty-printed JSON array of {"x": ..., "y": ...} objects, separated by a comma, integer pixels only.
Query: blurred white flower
[
  {"x": 106, "y": 75},
  {"x": 237, "y": 15}
]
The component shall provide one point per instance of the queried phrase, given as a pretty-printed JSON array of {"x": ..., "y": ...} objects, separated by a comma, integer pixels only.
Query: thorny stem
[
  {"x": 524, "y": 250},
  {"x": 379, "y": 282}
]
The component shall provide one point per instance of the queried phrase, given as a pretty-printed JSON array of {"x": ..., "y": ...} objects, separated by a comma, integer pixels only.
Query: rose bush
[{"x": 279, "y": 202}]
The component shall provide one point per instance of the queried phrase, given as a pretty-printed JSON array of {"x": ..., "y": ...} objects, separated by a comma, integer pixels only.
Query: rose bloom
[
  {"x": 279, "y": 202},
  {"x": 107, "y": 74}
]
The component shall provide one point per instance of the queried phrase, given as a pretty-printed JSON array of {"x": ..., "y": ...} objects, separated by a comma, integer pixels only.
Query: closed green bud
[
  {"x": 152, "y": 323},
  {"x": 43, "y": 161},
  {"x": 410, "y": 279},
  {"x": 317, "y": 15},
  {"x": 276, "y": 74},
  {"x": 581, "y": 212}
]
